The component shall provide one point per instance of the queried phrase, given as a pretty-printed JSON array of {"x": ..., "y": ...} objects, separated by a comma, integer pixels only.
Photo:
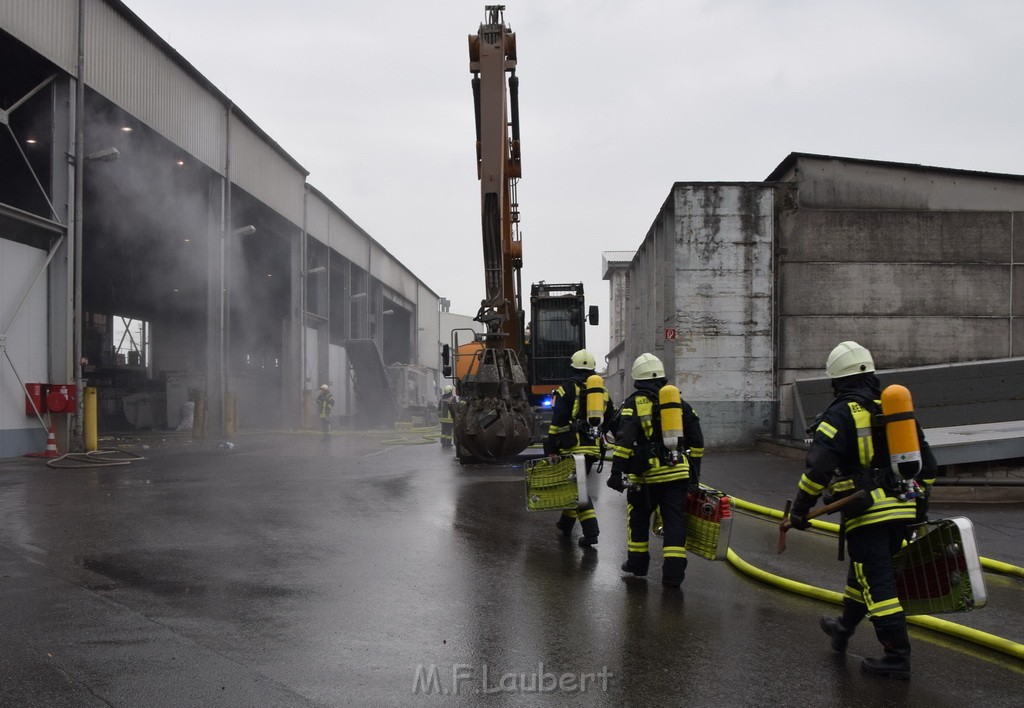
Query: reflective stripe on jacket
[
  {"x": 639, "y": 434},
  {"x": 847, "y": 428},
  {"x": 568, "y": 415}
]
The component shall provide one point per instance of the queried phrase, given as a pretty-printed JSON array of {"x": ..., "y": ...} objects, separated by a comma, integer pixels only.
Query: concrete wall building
[
  {"x": 250, "y": 284},
  {"x": 743, "y": 288},
  {"x": 615, "y": 269}
]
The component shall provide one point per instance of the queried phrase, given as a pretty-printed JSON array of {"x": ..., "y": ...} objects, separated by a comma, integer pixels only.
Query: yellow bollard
[
  {"x": 307, "y": 405},
  {"x": 89, "y": 435},
  {"x": 230, "y": 416}
]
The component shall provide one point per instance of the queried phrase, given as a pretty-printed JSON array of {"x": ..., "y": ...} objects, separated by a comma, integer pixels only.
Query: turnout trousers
[
  {"x": 640, "y": 504},
  {"x": 870, "y": 586},
  {"x": 585, "y": 513}
]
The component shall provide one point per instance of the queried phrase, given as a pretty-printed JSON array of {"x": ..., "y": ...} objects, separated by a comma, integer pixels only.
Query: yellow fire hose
[
  {"x": 988, "y": 564},
  {"x": 935, "y": 624}
]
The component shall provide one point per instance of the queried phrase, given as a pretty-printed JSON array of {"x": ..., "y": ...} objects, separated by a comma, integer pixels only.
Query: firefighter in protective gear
[
  {"x": 324, "y": 405},
  {"x": 571, "y": 433},
  {"x": 848, "y": 452},
  {"x": 444, "y": 414},
  {"x": 654, "y": 475}
]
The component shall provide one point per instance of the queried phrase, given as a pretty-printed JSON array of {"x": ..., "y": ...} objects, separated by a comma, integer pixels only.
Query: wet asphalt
[{"x": 374, "y": 570}]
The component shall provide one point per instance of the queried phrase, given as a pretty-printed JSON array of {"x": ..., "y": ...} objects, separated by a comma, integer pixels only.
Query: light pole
[
  {"x": 302, "y": 333},
  {"x": 105, "y": 155},
  {"x": 227, "y": 417}
]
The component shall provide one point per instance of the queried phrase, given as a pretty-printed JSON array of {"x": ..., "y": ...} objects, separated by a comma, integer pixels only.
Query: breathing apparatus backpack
[
  {"x": 594, "y": 405},
  {"x": 670, "y": 405},
  {"x": 893, "y": 423},
  {"x": 665, "y": 441}
]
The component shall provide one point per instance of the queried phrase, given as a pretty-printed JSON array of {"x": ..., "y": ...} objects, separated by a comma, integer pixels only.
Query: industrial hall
[{"x": 158, "y": 249}]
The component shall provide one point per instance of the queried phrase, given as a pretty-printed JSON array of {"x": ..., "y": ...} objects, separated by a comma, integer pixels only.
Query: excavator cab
[{"x": 556, "y": 331}]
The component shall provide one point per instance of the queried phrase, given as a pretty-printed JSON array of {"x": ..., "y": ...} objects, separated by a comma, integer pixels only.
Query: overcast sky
[{"x": 619, "y": 99}]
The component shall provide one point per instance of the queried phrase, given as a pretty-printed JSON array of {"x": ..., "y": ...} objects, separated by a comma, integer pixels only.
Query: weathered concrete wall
[
  {"x": 705, "y": 271},
  {"x": 924, "y": 266},
  {"x": 841, "y": 183},
  {"x": 918, "y": 265}
]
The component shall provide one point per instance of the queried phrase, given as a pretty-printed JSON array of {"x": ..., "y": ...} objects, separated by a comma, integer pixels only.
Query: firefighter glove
[
  {"x": 799, "y": 522},
  {"x": 615, "y": 481},
  {"x": 798, "y": 519}
]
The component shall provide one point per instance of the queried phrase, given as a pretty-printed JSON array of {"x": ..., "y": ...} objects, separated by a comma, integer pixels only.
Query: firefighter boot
[
  {"x": 637, "y": 563},
  {"x": 588, "y": 525},
  {"x": 896, "y": 662},
  {"x": 837, "y": 632},
  {"x": 565, "y": 523},
  {"x": 673, "y": 571}
]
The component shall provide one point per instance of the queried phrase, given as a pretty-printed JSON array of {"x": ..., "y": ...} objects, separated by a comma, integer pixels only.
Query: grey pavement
[{"x": 373, "y": 569}]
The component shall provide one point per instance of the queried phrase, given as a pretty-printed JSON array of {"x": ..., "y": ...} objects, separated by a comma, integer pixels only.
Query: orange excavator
[{"x": 505, "y": 377}]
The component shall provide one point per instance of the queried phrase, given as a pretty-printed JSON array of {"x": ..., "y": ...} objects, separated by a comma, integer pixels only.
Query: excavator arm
[
  {"x": 494, "y": 420},
  {"x": 492, "y": 55}
]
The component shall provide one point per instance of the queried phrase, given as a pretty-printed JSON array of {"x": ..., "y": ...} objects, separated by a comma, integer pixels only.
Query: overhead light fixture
[
  {"x": 245, "y": 230},
  {"x": 179, "y": 163},
  {"x": 388, "y": 312},
  {"x": 358, "y": 296},
  {"x": 31, "y": 141},
  {"x": 126, "y": 129},
  {"x": 318, "y": 269},
  {"x": 105, "y": 155}
]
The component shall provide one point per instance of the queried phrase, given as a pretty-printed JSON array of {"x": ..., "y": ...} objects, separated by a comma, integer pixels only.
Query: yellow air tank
[
  {"x": 671, "y": 404},
  {"x": 901, "y": 431},
  {"x": 595, "y": 400}
]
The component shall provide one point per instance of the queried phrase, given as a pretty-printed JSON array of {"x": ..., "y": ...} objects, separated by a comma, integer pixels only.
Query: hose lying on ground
[
  {"x": 105, "y": 457},
  {"x": 988, "y": 564},
  {"x": 969, "y": 634},
  {"x": 975, "y": 636}
]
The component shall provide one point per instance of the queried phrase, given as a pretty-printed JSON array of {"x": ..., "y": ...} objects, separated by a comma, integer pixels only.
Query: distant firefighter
[
  {"x": 580, "y": 414},
  {"x": 324, "y": 405},
  {"x": 444, "y": 414}
]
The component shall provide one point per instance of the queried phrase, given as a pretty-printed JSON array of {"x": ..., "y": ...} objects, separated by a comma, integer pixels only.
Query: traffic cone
[
  {"x": 51, "y": 446},
  {"x": 51, "y": 443}
]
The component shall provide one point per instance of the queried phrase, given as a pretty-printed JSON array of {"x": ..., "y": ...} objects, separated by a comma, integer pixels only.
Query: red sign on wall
[{"x": 670, "y": 333}]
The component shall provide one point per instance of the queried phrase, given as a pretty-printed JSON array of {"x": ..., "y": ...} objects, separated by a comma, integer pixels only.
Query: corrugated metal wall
[
  {"x": 263, "y": 172},
  {"x": 50, "y": 27},
  {"x": 26, "y": 344},
  {"x": 157, "y": 91},
  {"x": 151, "y": 87},
  {"x": 326, "y": 224}
]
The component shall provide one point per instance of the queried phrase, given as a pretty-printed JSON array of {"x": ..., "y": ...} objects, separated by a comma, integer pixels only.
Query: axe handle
[{"x": 784, "y": 526}]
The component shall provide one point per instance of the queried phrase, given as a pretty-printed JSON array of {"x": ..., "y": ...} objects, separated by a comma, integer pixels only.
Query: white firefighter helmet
[
  {"x": 847, "y": 359},
  {"x": 648, "y": 366},
  {"x": 325, "y": 387},
  {"x": 583, "y": 360},
  {"x": 449, "y": 388}
]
